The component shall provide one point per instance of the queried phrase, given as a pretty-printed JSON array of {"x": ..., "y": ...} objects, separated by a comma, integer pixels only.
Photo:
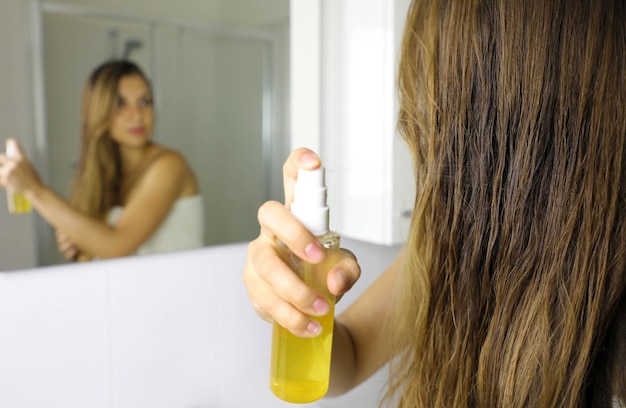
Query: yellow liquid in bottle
[
  {"x": 300, "y": 367},
  {"x": 18, "y": 204}
]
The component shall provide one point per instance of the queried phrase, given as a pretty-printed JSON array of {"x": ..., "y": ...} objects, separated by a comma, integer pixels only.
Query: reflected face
[{"x": 133, "y": 119}]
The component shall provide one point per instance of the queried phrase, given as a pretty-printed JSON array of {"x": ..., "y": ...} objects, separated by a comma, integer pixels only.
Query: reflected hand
[
  {"x": 275, "y": 291},
  {"x": 65, "y": 246},
  {"x": 16, "y": 173}
]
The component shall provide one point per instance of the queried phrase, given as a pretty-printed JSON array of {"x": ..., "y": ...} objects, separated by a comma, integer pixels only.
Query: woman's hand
[
  {"x": 16, "y": 173},
  {"x": 66, "y": 246},
  {"x": 275, "y": 291}
]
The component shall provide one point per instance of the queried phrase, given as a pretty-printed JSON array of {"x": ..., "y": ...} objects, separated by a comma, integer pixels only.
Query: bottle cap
[{"x": 309, "y": 201}]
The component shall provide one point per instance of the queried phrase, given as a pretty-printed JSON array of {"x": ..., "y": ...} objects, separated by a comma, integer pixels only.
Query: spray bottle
[
  {"x": 17, "y": 203},
  {"x": 300, "y": 367}
]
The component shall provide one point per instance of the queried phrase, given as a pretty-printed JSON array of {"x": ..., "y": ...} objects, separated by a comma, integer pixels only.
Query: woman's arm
[
  {"x": 278, "y": 294},
  {"x": 149, "y": 203},
  {"x": 146, "y": 208}
]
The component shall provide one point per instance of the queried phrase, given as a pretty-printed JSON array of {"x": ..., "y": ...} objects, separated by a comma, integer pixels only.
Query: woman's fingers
[
  {"x": 6, "y": 167},
  {"x": 16, "y": 173},
  {"x": 278, "y": 223},
  {"x": 282, "y": 234},
  {"x": 344, "y": 274},
  {"x": 277, "y": 293},
  {"x": 69, "y": 253},
  {"x": 65, "y": 246},
  {"x": 275, "y": 290}
]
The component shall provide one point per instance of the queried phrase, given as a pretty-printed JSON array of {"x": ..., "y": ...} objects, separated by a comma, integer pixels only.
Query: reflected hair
[
  {"x": 97, "y": 182},
  {"x": 513, "y": 289}
]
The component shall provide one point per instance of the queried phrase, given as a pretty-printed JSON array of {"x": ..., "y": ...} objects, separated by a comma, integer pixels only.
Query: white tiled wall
[{"x": 173, "y": 330}]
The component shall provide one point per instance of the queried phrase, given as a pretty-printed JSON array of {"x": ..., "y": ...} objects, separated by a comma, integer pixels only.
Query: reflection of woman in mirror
[{"x": 130, "y": 195}]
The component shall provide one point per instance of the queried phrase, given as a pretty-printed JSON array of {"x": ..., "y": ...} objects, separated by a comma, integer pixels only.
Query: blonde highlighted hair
[
  {"x": 513, "y": 288},
  {"x": 96, "y": 186}
]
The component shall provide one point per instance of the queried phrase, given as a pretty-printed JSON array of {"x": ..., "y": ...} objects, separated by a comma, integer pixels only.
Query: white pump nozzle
[
  {"x": 309, "y": 201},
  {"x": 11, "y": 149}
]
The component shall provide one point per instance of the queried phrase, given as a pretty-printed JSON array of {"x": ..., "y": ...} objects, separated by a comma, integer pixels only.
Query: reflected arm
[{"x": 148, "y": 206}]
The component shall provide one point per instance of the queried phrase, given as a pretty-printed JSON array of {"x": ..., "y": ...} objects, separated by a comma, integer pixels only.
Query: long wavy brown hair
[
  {"x": 513, "y": 290},
  {"x": 96, "y": 186}
]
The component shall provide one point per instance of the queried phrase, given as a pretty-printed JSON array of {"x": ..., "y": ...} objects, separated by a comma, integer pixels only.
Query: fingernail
[
  {"x": 343, "y": 280},
  {"x": 310, "y": 159},
  {"x": 314, "y": 328},
  {"x": 314, "y": 253},
  {"x": 321, "y": 306}
]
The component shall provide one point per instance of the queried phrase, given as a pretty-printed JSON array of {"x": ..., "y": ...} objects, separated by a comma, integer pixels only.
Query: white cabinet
[{"x": 369, "y": 170}]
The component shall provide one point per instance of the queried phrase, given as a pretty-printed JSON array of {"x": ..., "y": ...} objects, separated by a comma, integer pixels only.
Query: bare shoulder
[
  {"x": 167, "y": 157},
  {"x": 168, "y": 163}
]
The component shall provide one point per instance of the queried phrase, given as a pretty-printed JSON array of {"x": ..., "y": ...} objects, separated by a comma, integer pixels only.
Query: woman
[
  {"x": 510, "y": 291},
  {"x": 130, "y": 195}
]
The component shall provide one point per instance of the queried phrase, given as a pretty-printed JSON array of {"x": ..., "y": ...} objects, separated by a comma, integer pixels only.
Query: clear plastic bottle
[
  {"x": 300, "y": 367},
  {"x": 17, "y": 203}
]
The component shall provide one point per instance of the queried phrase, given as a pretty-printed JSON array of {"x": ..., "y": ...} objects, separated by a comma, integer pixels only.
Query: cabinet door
[{"x": 369, "y": 170}]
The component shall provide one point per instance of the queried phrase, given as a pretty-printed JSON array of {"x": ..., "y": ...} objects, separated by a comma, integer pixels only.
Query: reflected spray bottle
[
  {"x": 17, "y": 203},
  {"x": 300, "y": 367}
]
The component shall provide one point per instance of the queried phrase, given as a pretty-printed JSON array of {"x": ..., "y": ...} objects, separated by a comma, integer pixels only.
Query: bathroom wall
[
  {"x": 17, "y": 249},
  {"x": 171, "y": 330}
]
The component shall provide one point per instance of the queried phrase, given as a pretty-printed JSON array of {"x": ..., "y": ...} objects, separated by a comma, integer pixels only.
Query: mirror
[{"x": 219, "y": 71}]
